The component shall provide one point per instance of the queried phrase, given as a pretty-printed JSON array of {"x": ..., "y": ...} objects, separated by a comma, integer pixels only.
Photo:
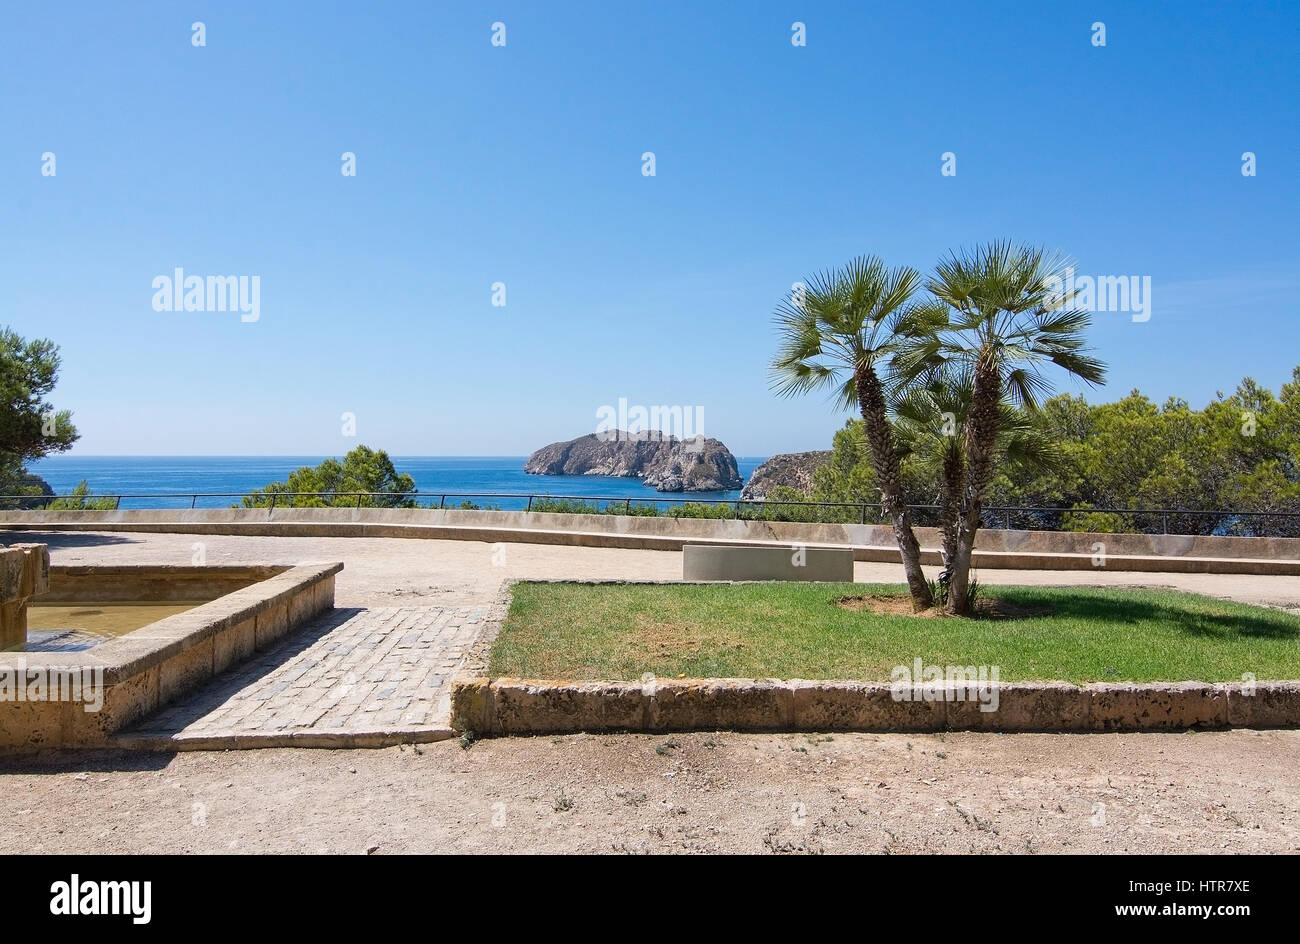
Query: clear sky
[{"x": 522, "y": 164}]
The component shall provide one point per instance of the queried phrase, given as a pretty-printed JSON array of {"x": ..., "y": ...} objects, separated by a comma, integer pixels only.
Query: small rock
[{"x": 370, "y": 850}]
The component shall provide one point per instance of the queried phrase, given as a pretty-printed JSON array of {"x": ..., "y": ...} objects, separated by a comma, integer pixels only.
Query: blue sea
[{"x": 174, "y": 481}]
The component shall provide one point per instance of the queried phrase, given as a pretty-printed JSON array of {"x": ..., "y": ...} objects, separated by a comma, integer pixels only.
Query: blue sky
[{"x": 522, "y": 164}]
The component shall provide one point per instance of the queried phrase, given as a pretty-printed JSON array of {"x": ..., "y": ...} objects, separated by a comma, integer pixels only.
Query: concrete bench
[{"x": 792, "y": 562}]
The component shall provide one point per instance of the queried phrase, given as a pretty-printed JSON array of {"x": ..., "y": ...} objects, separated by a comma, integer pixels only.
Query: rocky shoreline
[
  {"x": 669, "y": 464},
  {"x": 662, "y": 462},
  {"x": 789, "y": 469}
]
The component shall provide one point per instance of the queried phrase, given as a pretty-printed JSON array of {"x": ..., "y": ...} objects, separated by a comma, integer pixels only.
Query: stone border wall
[
  {"x": 507, "y": 706},
  {"x": 141, "y": 671},
  {"x": 161, "y": 583},
  {"x": 511, "y": 706},
  {"x": 24, "y": 574},
  {"x": 1028, "y": 550}
]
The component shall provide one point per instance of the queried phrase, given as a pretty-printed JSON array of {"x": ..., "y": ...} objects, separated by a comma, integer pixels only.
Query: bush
[
  {"x": 701, "y": 510},
  {"x": 81, "y": 499},
  {"x": 337, "y": 483},
  {"x": 465, "y": 505},
  {"x": 1081, "y": 519},
  {"x": 811, "y": 512},
  {"x": 565, "y": 506}
]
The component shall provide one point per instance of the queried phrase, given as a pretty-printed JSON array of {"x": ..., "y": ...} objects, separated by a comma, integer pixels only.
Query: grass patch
[{"x": 805, "y": 630}]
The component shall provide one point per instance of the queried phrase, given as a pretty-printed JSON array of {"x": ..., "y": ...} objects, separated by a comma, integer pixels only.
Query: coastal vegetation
[
  {"x": 961, "y": 365},
  {"x": 1240, "y": 452},
  {"x": 842, "y": 330},
  {"x": 30, "y": 426},
  {"x": 365, "y": 478},
  {"x": 82, "y": 499}
]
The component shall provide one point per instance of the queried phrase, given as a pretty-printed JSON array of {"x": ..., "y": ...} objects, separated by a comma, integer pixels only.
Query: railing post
[
  {"x": 273, "y": 497},
  {"x": 117, "y": 504},
  {"x": 193, "y": 501},
  {"x": 358, "y": 501},
  {"x": 442, "y": 503},
  {"x": 530, "y": 504},
  {"x": 864, "y": 512},
  {"x": 1166, "y": 525},
  {"x": 627, "y": 507}
]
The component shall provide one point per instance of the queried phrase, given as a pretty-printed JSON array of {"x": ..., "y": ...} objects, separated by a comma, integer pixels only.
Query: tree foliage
[
  {"x": 82, "y": 499},
  {"x": 839, "y": 331},
  {"x": 1241, "y": 452},
  {"x": 30, "y": 427},
  {"x": 362, "y": 470}
]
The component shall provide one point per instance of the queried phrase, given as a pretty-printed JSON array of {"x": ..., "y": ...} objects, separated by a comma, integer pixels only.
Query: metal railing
[{"x": 866, "y": 512}]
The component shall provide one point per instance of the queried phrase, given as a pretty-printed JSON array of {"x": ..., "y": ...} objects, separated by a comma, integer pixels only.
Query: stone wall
[
  {"x": 24, "y": 573},
  {"x": 63, "y": 699},
  {"x": 508, "y": 706},
  {"x": 160, "y": 583},
  {"x": 1050, "y": 550}
]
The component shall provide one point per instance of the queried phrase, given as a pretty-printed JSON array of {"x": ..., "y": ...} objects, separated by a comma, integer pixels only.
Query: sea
[{"x": 220, "y": 481}]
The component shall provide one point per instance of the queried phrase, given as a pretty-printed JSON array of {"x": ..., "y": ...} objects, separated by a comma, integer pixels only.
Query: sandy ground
[
  {"x": 1236, "y": 791},
  {"x": 389, "y": 571},
  {"x": 1230, "y": 792}
]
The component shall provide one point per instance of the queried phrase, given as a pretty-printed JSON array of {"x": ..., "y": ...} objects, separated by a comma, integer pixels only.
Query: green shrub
[
  {"x": 1081, "y": 519},
  {"x": 701, "y": 510},
  {"x": 82, "y": 499},
  {"x": 565, "y": 506}
]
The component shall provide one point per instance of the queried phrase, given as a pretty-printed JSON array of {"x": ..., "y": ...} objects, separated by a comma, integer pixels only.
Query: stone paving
[{"x": 353, "y": 677}]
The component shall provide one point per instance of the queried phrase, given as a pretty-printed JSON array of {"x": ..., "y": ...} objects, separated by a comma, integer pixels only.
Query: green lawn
[{"x": 797, "y": 630}]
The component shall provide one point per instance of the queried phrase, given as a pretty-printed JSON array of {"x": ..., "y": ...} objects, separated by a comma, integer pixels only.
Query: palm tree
[
  {"x": 929, "y": 426},
  {"x": 998, "y": 319},
  {"x": 839, "y": 332}
]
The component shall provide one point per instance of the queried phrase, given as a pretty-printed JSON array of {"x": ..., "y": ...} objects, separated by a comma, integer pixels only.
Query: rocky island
[
  {"x": 791, "y": 469},
  {"x": 661, "y": 461}
]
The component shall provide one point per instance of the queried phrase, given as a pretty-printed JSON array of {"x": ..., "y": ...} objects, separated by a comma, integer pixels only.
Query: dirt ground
[
  {"x": 1236, "y": 791},
  {"x": 1222, "y": 792}
]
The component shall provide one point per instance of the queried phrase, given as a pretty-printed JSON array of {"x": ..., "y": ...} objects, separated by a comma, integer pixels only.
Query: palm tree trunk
[
  {"x": 950, "y": 482},
  {"x": 889, "y": 478},
  {"x": 981, "y": 444}
]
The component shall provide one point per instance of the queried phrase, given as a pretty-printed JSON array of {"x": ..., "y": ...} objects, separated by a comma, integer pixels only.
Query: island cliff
[
  {"x": 791, "y": 469},
  {"x": 662, "y": 462}
]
